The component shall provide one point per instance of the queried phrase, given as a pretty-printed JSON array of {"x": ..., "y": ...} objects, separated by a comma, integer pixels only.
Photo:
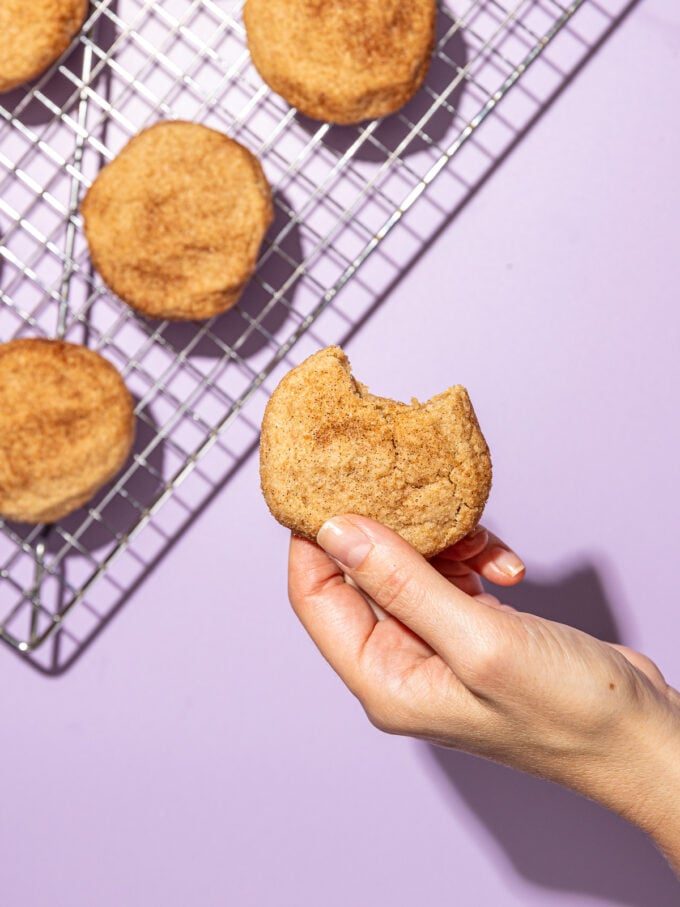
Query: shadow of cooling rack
[{"x": 353, "y": 208}]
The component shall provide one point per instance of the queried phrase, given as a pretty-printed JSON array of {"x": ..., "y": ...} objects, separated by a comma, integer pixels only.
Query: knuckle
[
  {"x": 379, "y": 720},
  {"x": 385, "y": 714},
  {"x": 486, "y": 661},
  {"x": 376, "y": 708},
  {"x": 397, "y": 708},
  {"x": 396, "y": 587}
]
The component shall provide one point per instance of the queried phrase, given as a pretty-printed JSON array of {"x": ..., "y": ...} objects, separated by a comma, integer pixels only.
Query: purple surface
[{"x": 201, "y": 752}]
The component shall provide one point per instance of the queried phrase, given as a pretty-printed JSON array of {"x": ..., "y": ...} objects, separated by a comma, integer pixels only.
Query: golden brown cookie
[
  {"x": 329, "y": 447},
  {"x": 33, "y": 34},
  {"x": 342, "y": 61},
  {"x": 176, "y": 221},
  {"x": 66, "y": 428}
]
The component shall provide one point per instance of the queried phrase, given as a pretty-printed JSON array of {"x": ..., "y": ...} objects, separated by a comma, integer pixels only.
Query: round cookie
[
  {"x": 66, "y": 428},
  {"x": 33, "y": 34},
  {"x": 176, "y": 221},
  {"x": 329, "y": 447},
  {"x": 342, "y": 61}
]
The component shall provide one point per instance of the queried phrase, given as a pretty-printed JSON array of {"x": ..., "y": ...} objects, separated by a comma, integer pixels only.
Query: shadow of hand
[{"x": 552, "y": 836}]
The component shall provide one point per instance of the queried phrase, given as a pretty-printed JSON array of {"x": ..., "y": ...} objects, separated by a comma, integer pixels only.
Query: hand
[{"x": 452, "y": 665}]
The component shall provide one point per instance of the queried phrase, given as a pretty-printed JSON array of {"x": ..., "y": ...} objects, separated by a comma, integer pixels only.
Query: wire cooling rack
[{"x": 339, "y": 192}]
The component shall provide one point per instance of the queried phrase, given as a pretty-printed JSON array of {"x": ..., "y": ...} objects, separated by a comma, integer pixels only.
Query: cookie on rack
[
  {"x": 66, "y": 428},
  {"x": 330, "y": 447},
  {"x": 175, "y": 222},
  {"x": 33, "y": 35},
  {"x": 342, "y": 61}
]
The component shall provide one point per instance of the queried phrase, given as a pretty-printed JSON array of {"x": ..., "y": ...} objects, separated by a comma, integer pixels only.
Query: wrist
[
  {"x": 642, "y": 782},
  {"x": 660, "y": 818}
]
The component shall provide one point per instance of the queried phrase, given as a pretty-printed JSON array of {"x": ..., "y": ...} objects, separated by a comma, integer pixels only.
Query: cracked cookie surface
[
  {"x": 33, "y": 34},
  {"x": 329, "y": 446},
  {"x": 66, "y": 427},
  {"x": 176, "y": 221},
  {"x": 342, "y": 61}
]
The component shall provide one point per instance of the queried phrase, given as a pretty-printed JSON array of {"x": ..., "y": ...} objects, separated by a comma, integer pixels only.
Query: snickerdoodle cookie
[
  {"x": 175, "y": 222},
  {"x": 66, "y": 427},
  {"x": 330, "y": 447},
  {"x": 33, "y": 34},
  {"x": 342, "y": 61}
]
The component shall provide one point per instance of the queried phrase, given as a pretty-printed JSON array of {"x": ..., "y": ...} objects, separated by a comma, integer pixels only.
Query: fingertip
[
  {"x": 507, "y": 562},
  {"x": 309, "y": 569},
  {"x": 302, "y": 553},
  {"x": 502, "y": 577},
  {"x": 500, "y": 566}
]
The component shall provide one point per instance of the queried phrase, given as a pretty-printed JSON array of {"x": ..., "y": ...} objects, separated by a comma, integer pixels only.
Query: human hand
[{"x": 452, "y": 665}]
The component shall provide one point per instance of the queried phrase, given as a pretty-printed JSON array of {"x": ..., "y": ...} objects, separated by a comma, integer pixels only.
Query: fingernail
[
  {"x": 476, "y": 532},
  {"x": 344, "y": 541},
  {"x": 507, "y": 562}
]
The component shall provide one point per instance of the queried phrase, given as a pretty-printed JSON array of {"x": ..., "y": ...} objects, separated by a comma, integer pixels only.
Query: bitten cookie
[
  {"x": 66, "y": 428},
  {"x": 330, "y": 447},
  {"x": 176, "y": 221},
  {"x": 33, "y": 34},
  {"x": 342, "y": 61}
]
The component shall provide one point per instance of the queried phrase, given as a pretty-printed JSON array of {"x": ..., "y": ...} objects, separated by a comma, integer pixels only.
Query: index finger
[{"x": 336, "y": 616}]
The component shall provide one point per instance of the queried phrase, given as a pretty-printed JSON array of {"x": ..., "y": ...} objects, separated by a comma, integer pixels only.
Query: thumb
[{"x": 402, "y": 582}]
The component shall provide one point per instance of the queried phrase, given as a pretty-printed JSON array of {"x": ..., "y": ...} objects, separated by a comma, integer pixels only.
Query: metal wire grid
[{"x": 338, "y": 193}]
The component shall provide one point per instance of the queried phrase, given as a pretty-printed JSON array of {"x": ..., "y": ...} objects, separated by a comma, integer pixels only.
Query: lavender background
[{"x": 201, "y": 752}]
